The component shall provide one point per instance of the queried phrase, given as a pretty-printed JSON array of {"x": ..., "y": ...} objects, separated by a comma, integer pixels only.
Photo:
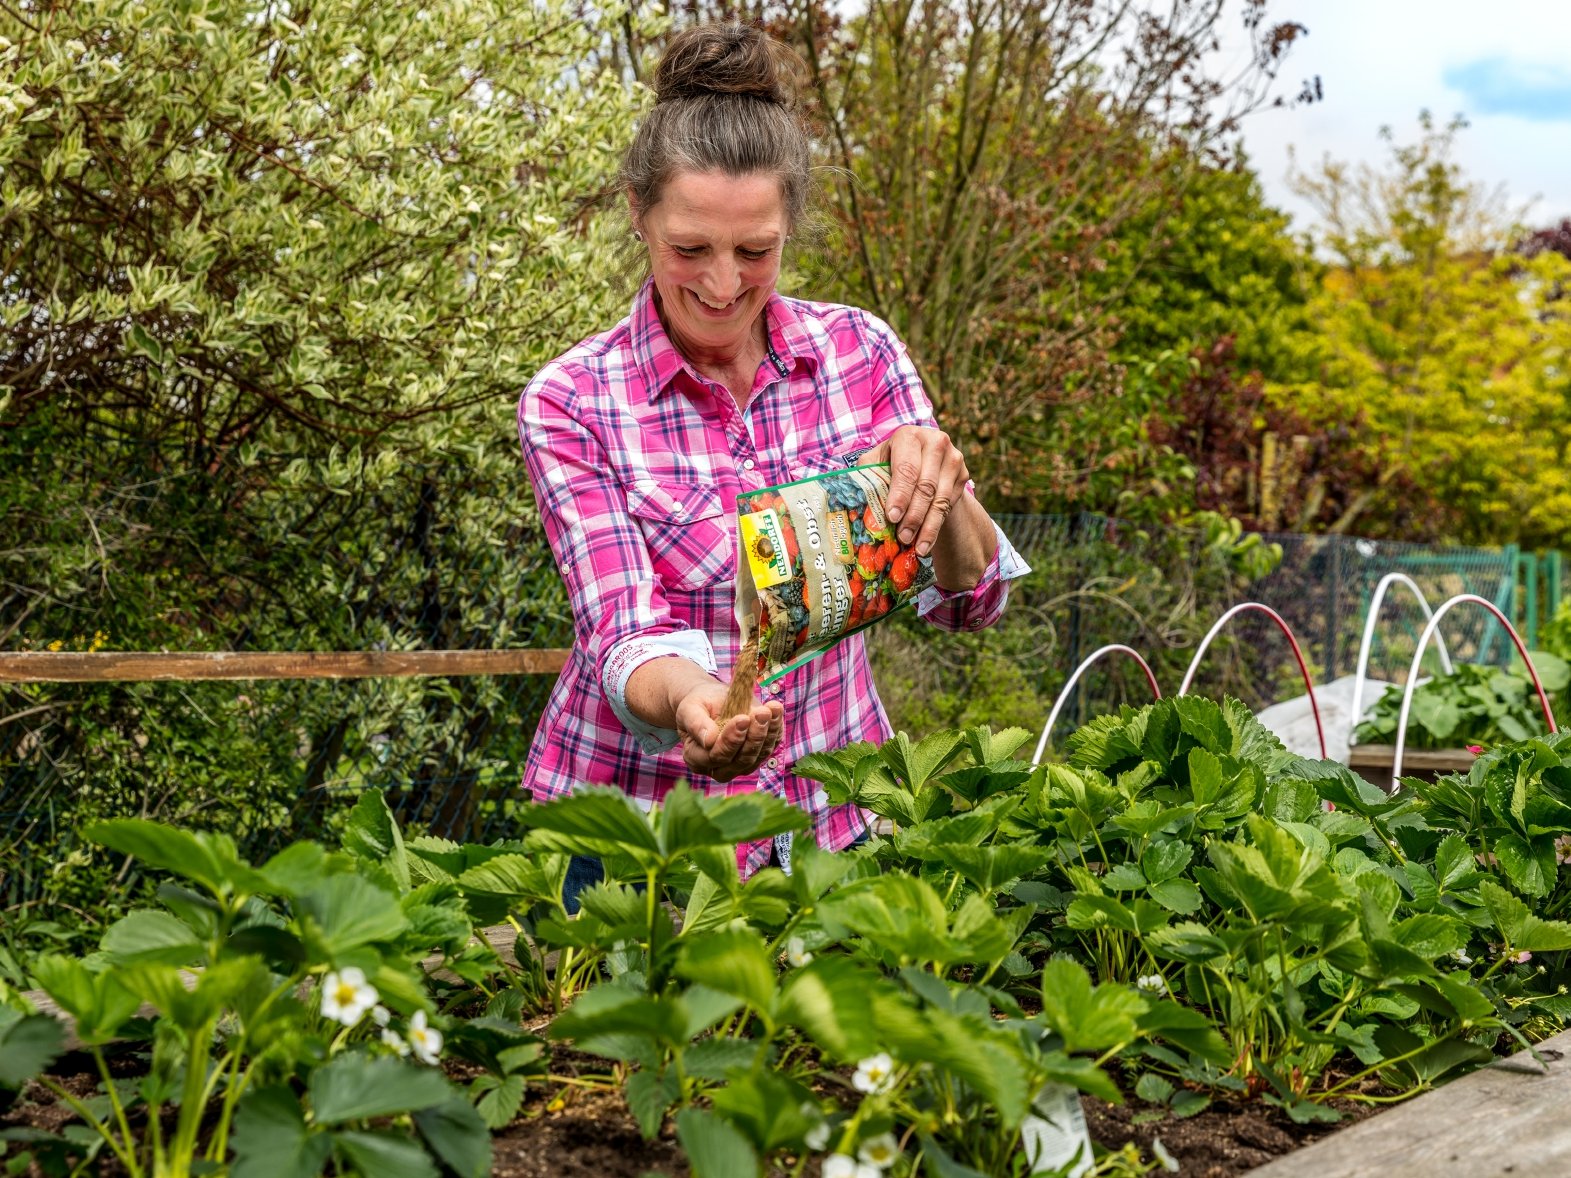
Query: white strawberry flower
[
  {"x": 838, "y": 1165},
  {"x": 796, "y": 953},
  {"x": 1151, "y": 984},
  {"x": 816, "y": 1138},
  {"x": 426, "y": 1042},
  {"x": 346, "y": 996},
  {"x": 880, "y": 1152},
  {"x": 396, "y": 1041},
  {"x": 874, "y": 1074},
  {"x": 380, "y": 1015}
]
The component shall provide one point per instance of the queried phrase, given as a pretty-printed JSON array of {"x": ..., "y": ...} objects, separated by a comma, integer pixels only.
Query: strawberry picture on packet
[{"x": 819, "y": 560}]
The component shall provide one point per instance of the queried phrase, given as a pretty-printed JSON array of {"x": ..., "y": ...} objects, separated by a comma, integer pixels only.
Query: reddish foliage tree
[{"x": 1271, "y": 466}]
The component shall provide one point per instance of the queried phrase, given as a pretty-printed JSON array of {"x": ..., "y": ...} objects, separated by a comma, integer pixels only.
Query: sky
[{"x": 1503, "y": 64}]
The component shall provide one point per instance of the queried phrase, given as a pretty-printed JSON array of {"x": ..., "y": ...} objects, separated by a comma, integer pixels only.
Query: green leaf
[
  {"x": 596, "y": 820},
  {"x": 733, "y": 961},
  {"x": 990, "y": 868},
  {"x": 914, "y": 764},
  {"x": 649, "y": 1094},
  {"x": 711, "y": 1059},
  {"x": 295, "y": 869},
  {"x": 1087, "y": 1018},
  {"x": 1531, "y": 867},
  {"x": 767, "y": 1107},
  {"x": 456, "y": 1134},
  {"x": 752, "y": 816},
  {"x": 1091, "y": 912},
  {"x": 831, "y": 998},
  {"x": 500, "y": 1098},
  {"x": 1164, "y": 860},
  {"x": 1520, "y": 928},
  {"x": 383, "y": 1155},
  {"x": 100, "y": 1003},
  {"x": 354, "y": 1086},
  {"x": 271, "y": 1139},
  {"x": 147, "y": 935},
  {"x": 372, "y": 834},
  {"x": 28, "y": 1044},
  {"x": 344, "y": 912},
  {"x": 1455, "y": 867},
  {"x": 1177, "y": 895},
  {"x": 714, "y": 1148},
  {"x": 208, "y": 859},
  {"x": 1153, "y": 1089}
]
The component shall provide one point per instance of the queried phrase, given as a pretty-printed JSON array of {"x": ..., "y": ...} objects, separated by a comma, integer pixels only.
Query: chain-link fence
[{"x": 270, "y": 761}]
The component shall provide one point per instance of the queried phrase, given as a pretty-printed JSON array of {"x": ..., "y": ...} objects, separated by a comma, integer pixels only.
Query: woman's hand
[
  {"x": 927, "y": 478},
  {"x": 927, "y": 489},
  {"x": 725, "y": 747}
]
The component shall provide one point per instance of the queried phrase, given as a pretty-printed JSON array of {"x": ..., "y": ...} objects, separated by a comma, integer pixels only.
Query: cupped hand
[
  {"x": 726, "y": 747},
  {"x": 927, "y": 477}
]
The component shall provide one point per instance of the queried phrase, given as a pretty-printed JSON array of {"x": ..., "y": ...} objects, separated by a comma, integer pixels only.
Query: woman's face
[{"x": 714, "y": 245}]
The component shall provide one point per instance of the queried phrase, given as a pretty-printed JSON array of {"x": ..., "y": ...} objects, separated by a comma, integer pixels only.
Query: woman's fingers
[
  {"x": 735, "y": 747},
  {"x": 927, "y": 476}
]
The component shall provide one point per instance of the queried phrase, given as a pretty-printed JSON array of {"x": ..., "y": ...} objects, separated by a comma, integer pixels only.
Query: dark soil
[
  {"x": 1219, "y": 1142},
  {"x": 583, "y": 1129}
]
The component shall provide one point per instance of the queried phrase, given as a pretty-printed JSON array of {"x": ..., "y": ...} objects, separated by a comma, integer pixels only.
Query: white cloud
[{"x": 1383, "y": 61}]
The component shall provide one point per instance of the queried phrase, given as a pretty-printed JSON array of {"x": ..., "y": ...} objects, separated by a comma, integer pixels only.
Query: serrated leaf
[
  {"x": 1520, "y": 928},
  {"x": 271, "y": 1139},
  {"x": 733, "y": 961},
  {"x": 714, "y": 1148},
  {"x": 384, "y": 1155},
  {"x": 455, "y": 1133},
  {"x": 28, "y": 1044},
  {"x": 354, "y": 1086},
  {"x": 149, "y": 936},
  {"x": 649, "y": 1094}
]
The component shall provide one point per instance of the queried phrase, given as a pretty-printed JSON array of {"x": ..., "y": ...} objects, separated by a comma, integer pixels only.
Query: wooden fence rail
[{"x": 48, "y": 666}]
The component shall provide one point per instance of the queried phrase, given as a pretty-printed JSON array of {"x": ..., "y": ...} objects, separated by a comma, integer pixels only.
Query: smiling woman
[{"x": 639, "y": 440}]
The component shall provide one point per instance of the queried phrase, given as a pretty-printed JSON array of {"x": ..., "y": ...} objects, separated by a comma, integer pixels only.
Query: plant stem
[
  {"x": 127, "y": 1159},
  {"x": 114, "y": 1099}
]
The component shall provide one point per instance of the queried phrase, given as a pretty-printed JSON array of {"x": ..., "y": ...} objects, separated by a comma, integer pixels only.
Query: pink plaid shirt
[{"x": 636, "y": 461}]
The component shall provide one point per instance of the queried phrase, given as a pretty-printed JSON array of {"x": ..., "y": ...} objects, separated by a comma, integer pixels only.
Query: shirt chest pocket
[{"x": 687, "y": 532}]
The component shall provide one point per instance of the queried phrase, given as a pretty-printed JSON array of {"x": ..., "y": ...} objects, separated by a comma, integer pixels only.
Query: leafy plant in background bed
[
  {"x": 1472, "y": 705},
  {"x": 285, "y": 1041}
]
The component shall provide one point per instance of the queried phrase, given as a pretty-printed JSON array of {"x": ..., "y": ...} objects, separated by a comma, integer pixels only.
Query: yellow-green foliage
[
  {"x": 1454, "y": 353},
  {"x": 211, "y": 214}
]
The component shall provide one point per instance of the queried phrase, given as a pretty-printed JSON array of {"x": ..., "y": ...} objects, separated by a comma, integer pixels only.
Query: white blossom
[
  {"x": 874, "y": 1074},
  {"x": 880, "y": 1152},
  {"x": 346, "y": 996},
  {"x": 838, "y": 1165},
  {"x": 1152, "y": 983},
  {"x": 396, "y": 1041},
  {"x": 425, "y": 1041},
  {"x": 796, "y": 953},
  {"x": 380, "y": 1015},
  {"x": 1159, "y": 1151},
  {"x": 817, "y": 1138}
]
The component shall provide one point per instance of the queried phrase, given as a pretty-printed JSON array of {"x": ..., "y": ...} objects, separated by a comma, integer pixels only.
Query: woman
[{"x": 638, "y": 441}]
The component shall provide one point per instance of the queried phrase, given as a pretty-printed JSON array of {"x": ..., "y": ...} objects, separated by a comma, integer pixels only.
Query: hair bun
[{"x": 726, "y": 59}]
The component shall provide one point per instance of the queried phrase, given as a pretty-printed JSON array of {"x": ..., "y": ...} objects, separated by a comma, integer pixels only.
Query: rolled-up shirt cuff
[
  {"x": 1007, "y": 565},
  {"x": 631, "y": 653}
]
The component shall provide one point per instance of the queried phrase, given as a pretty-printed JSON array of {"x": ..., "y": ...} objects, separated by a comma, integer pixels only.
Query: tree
[
  {"x": 1451, "y": 351},
  {"x": 989, "y": 153}
]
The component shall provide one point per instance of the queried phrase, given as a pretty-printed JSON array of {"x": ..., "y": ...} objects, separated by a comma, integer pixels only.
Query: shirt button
[
  {"x": 976, "y": 623},
  {"x": 774, "y": 762},
  {"x": 773, "y": 689},
  {"x": 748, "y": 464}
]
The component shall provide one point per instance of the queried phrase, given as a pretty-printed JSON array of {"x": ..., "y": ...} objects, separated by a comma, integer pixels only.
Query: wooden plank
[
  {"x": 1507, "y": 1118},
  {"x": 1380, "y": 756},
  {"x": 46, "y": 666}
]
